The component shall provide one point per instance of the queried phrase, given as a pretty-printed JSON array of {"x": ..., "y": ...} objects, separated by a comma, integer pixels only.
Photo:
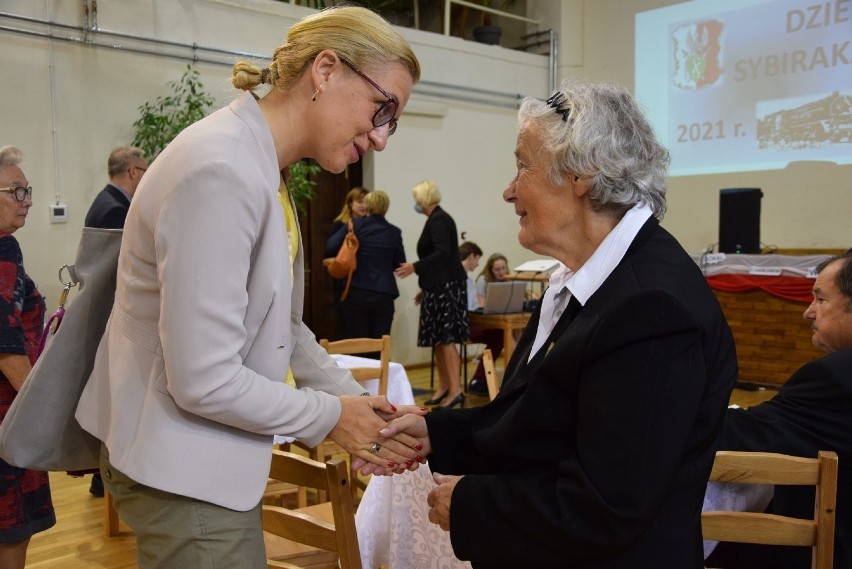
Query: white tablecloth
[
  {"x": 394, "y": 528},
  {"x": 724, "y": 496},
  {"x": 399, "y": 388},
  {"x": 767, "y": 265},
  {"x": 393, "y": 517}
]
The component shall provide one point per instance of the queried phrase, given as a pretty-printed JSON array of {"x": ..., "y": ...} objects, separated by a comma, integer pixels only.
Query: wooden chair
[
  {"x": 319, "y": 536},
  {"x": 276, "y": 490},
  {"x": 328, "y": 448},
  {"x": 111, "y": 516},
  {"x": 490, "y": 374},
  {"x": 771, "y": 529},
  {"x": 354, "y": 346}
]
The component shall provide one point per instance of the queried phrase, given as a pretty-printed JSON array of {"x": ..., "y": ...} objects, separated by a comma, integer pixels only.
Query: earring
[{"x": 314, "y": 98}]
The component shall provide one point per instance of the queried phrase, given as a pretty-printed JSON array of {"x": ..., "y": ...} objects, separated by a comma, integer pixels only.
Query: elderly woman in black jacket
[
  {"x": 443, "y": 295},
  {"x": 597, "y": 449}
]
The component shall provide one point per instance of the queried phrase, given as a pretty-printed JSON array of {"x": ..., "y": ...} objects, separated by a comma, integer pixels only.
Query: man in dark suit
[
  {"x": 811, "y": 412},
  {"x": 126, "y": 166}
]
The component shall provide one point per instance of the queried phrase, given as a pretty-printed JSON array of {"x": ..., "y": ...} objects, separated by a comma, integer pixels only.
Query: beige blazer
[{"x": 188, "y": 385}]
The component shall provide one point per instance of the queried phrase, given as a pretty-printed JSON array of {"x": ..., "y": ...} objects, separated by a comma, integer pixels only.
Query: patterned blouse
[
  {"x": 21, "y": 312},
  {"x": 25, "y": 503}
]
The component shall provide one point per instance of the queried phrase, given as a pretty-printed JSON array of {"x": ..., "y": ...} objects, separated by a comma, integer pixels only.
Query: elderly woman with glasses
[
  {"x": 597, "y": 449},
  {"x": 189, "y": 387},
  {"x": 25, "y": 504}
]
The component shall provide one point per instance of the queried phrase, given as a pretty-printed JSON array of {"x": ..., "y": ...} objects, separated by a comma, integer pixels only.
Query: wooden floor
[{"x": 78, "y": 540}]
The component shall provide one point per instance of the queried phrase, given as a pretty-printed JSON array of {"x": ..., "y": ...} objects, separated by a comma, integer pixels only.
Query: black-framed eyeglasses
[
  {"x": 387, "y": 110},
  {"x": 21, "y": 193}
]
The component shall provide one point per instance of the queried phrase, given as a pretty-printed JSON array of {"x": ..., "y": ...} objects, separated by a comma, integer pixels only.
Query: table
[
  {"x": 789, "y": 277},
  {"x": 713, "y": 264},
  {"x": 527, "y": 276},
  {"x": 506, "y": 322},
  {"x": 763, "y": 298}
]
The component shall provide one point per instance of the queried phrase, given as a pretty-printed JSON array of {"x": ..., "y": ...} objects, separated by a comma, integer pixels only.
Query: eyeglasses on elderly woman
[
  {"x": 387, "y": 110},
  {"x": 21, "y": 193}
]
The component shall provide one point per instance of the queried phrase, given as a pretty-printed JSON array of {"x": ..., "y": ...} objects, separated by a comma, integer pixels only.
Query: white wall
[{"x": 67, "y": 135}]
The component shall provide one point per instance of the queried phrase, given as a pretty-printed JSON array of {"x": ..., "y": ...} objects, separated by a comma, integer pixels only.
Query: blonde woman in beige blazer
[{"x": 188, "y": 387}]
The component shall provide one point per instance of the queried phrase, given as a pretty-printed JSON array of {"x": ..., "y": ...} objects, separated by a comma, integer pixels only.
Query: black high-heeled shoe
[
  {"x": 436, "y": 400},
  {"x": 458, "y": 399}
]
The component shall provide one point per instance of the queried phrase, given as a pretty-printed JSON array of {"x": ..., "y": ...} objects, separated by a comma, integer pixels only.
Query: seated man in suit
[
  {"x": 811, "y": 412},
  {"x": 126, "y": 166}
]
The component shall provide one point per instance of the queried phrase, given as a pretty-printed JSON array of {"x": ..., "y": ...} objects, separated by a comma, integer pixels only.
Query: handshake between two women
[{"x": 382, "y": 438}]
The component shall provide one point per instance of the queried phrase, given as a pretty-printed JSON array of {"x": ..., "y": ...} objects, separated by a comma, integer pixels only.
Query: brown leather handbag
[{"x": 344, "y": 264}]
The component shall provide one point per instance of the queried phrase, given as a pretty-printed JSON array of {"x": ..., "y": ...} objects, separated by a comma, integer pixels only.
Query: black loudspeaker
[{"x": 739, "y": 220}]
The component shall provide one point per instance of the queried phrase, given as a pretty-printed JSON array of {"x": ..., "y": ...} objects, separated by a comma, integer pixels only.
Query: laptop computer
[{"x": 505, "y": 297}]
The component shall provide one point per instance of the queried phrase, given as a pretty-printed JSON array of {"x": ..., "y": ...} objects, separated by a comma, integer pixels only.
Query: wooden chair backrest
[
  {"x": 355, "y": 346},
  {"x": 490, "y": 373},
  {"x": 331, "y": 477},
  {"x": 771, "y": 529}
]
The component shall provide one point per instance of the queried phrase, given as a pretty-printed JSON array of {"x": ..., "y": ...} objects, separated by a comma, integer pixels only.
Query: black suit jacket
[
  {"x": 438, "y": 252},
  {"x": 811, "y": 412},
  {"x": 596, "y": 453},
  {"x": 109, "y": 210}
]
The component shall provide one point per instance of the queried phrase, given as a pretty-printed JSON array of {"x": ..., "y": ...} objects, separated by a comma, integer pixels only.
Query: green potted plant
[{"x": 162, "y": 120}]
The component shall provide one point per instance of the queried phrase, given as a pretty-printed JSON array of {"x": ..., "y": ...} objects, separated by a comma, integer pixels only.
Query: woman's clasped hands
[
  {"x": 405, "y": 427},
  {"x": 361, "y": 431}
]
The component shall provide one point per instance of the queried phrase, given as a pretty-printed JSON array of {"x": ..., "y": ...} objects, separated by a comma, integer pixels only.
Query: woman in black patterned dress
[
  {"x": 443, "y": 292},
  {"x": 25, "y": 505}
]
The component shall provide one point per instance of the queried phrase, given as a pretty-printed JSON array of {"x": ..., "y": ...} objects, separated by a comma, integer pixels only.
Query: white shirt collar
[
  {"x": 588, "y": 278},
  {"x": 584, "y": 282}
]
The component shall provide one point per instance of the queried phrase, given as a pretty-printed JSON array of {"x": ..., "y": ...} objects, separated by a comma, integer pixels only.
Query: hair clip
[
  {"x": 558, "y": 102},
  {"x": 264, "y": 75}
]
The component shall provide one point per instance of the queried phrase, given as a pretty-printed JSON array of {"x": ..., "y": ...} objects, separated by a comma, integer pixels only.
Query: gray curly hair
[{"x": 597, "y": 131}]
